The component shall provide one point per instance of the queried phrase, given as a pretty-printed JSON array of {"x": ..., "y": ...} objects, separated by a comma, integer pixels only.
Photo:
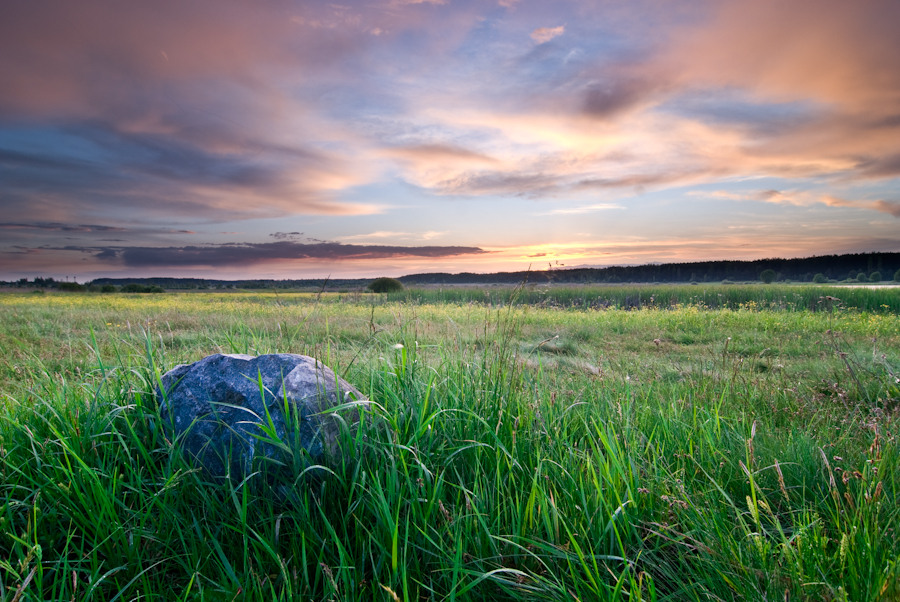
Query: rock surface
[{"x": 234, "y": 414}]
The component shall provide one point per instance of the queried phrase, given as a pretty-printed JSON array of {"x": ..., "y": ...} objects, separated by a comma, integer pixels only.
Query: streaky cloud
[
  {"x": 583, "y": 210},
  {"x": 889, "y": 207},
  {"x": 440, "y": 152},
  {"x": 234, "y": 254},
  {"x": 59, "y": 227}
]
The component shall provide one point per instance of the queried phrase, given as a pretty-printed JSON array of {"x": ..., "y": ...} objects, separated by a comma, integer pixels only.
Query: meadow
[{"x": 702, "y": 442}]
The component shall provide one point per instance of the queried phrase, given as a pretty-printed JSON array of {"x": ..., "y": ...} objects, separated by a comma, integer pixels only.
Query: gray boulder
[{"x": 235, "y": 414}]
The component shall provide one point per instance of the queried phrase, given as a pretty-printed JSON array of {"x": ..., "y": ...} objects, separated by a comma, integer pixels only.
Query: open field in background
[
  {"x": 709, "y": 443},
  {"x": 872, "y": 298}
]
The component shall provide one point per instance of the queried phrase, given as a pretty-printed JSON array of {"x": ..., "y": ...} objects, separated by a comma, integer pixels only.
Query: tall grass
[{"x": 511, "y": 453}]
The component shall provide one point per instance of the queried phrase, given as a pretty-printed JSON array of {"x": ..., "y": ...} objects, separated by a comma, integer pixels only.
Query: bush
[
  {"x": 108, "y": 288},
  {"x": 861, "y": 277},
  {"x": 897, "y": 276},
  {"x": 820, "y": 278},
  {"x": 875, "y": 277},
  {"x": 385, "y": 285},
  {"x": 767, "y": 276},
  {"x": 71, "y": 287}
]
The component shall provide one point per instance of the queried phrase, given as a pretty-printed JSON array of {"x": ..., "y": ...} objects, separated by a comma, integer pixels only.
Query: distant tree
[
  {"x": 134, "y": 287},
  {"x": 861, "y": 277},
  {"x": 385, "y": 285},
  {"x": 897, "y": 276},
  {"x": 820, "y": 278},
  {"x": 875, "y": 277},
  {"x": 71, "y": 287},
  {"x": 108, "y": 288},
  {"x": 768, "y": 276}
]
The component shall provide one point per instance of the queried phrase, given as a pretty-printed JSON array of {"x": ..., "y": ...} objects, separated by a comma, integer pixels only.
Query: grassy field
[{"x": 534, "y": 444}]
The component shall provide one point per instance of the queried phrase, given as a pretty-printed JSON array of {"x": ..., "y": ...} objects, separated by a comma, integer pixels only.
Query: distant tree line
[
  {"x": 91, "y": 287},
  {"x": 858, "y": 267},
  {"x": 866, "y": 267}
]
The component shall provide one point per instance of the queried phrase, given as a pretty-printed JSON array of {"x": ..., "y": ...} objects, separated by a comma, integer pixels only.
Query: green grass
[
  {"x": 515, "y": 451},
  {"x": 878, "y": 299}
]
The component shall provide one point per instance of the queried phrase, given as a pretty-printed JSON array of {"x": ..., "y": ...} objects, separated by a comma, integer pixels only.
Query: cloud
[
  {"x": 583, "y": 210},
  {"x": 439, "y": 153},
  {"x": 518, "y": 183},
  {"x": 638, "y": 181},
  {"x": 721, "y": 194},
  {"x": 606, "y": 99},
  {"x": 174, "y": 175},
  {"x": 56, "y": 227},
  {"x": 833, "y": 51},
  {"x": 83, "y": 60},
  {"x": 408, "y": 2},
  {"x": 180, "y": 109},
  {"x": 382, "y": 234},
  {"x": 837, "y": 62},
  {"x": 436, "y": 166},
  {"x": 542, "y": 35},
  {"x": 253, "y": 253},
  {"x": 807, "y": 198},
  {"x": 889, "y": 207},
  {"x": 881, "y": 167}
]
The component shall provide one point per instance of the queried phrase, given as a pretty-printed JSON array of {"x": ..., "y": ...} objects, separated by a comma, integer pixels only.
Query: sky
[{"x": 298, "y": 139}]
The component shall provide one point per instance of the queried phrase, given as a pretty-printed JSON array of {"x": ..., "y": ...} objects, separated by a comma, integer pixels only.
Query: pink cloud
[
  {"x": 542, "y": 35},
  {"x": 888, "y": 207},
  {"x": 845, "y": 53}
]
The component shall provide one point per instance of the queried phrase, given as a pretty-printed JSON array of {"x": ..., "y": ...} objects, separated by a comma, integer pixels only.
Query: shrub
[
  {"x": 875, "y": 277},
  {"x": 820, "y": 278},
  {"x": 897, "y": 276},
  {"x": 768, "y": 276},
  {"x": 861, "y": 277},
  {"x": 108, "y": 288},
  {"x": 385, "y": 285}
]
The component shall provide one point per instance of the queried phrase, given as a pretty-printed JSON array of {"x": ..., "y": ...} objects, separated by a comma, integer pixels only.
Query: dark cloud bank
[{"x": 233, "y": 254}]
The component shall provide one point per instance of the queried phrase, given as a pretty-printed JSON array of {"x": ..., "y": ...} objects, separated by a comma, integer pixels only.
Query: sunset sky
[{"x": 299, "y": 139}]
